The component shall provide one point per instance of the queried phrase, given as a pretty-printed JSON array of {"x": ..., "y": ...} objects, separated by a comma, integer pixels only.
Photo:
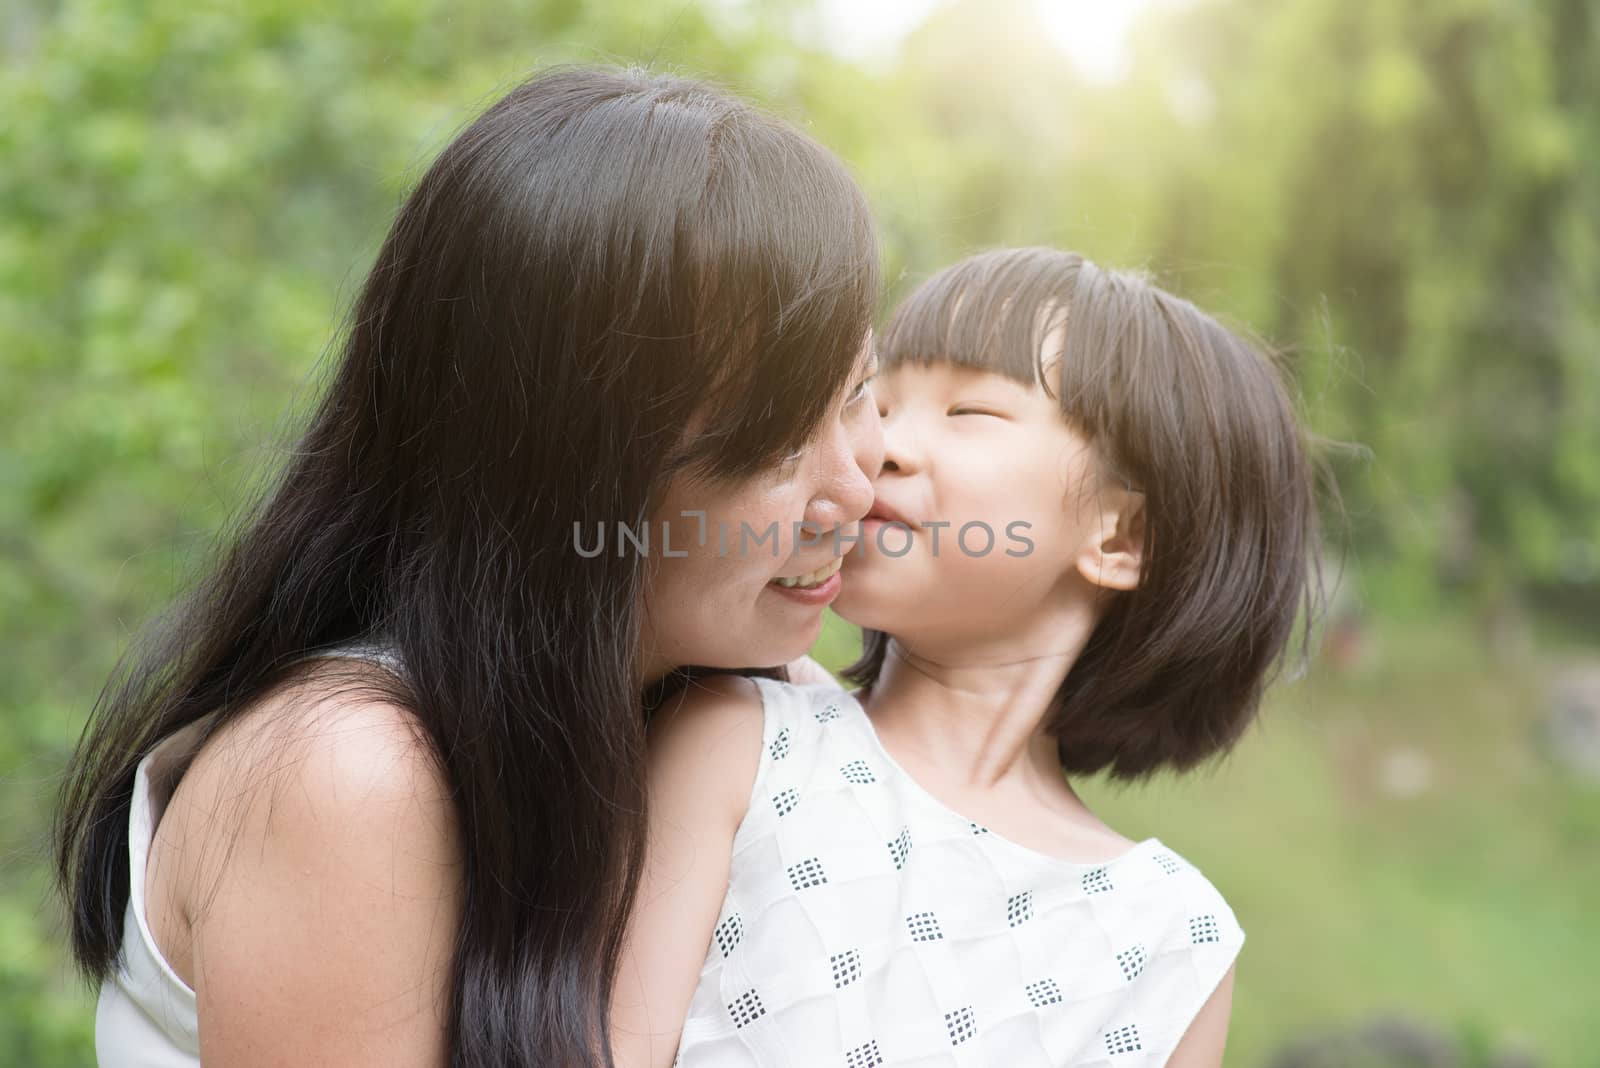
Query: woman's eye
[
  {"x": 861, "y": 390},
  {"x": 963, "y": 410}
]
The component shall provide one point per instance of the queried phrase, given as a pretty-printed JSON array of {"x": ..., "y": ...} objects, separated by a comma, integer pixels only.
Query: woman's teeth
[{"x": 820, "y": 575}]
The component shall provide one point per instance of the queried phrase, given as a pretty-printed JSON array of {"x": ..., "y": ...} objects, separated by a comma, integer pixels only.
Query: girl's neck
[{"x": 972, "y": 712}]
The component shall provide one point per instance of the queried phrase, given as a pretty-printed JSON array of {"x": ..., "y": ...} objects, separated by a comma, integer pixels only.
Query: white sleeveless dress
[
  {"x": 867, "y": 924},
  {"x": 146, "y": 1016}
]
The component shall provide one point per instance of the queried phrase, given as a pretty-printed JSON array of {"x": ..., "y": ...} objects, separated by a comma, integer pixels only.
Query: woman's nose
[
  {"x": 869, "y": 445},
  {"x": 855, "y": 455}
]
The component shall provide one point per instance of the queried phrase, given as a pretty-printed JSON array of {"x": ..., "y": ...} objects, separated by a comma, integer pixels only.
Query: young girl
[{"x": 1092, "y": 536}]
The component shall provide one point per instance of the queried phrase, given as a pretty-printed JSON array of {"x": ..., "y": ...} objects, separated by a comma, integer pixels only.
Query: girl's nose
[{"x": 902, "y": 450}]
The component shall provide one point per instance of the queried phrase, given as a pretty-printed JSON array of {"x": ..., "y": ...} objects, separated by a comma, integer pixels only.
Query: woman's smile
[{"x": 815, "y": 588}]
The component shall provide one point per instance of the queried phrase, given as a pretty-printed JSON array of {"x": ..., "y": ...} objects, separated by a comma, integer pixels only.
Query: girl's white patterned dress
[{"x": 868, "y": 924}]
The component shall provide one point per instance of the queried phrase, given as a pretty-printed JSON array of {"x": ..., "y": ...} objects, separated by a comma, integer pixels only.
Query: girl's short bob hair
[{"x": 1200, "y": 421}]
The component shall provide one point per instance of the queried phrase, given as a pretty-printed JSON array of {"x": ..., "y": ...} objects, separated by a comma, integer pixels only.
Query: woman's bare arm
[{"x": 317, "y": 872}]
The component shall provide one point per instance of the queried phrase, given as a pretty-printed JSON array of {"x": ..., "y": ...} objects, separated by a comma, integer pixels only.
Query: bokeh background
[{"x": 1404, "y": 196}]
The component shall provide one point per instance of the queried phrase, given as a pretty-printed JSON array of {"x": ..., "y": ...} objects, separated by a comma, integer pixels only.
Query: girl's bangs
[{"x": 994, "y": 312}]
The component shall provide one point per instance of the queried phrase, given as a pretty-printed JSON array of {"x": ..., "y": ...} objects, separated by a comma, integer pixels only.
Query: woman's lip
[
  {"x": 832, "y": 561},
  {"x": 814, "y": 596}
]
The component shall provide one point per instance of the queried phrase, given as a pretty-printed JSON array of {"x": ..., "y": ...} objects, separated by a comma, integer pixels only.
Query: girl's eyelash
[{"x": 861, "y": 390}]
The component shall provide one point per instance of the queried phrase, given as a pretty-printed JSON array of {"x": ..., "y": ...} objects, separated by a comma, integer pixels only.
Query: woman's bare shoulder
[
  {"x": 311, "y": 864},
  {"x": 340, "y": 750}
]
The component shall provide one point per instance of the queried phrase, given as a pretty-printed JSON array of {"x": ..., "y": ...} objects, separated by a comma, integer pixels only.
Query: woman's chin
[
  {"x": 785, "y": 641},
  {"x": 856, "y": 605}
]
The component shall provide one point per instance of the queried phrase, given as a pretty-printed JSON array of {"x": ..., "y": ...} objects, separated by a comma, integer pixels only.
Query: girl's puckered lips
[{"x": 884, "y": 512}]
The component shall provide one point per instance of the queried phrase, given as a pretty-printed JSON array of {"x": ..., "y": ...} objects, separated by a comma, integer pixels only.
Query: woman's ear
[{"x": 1113, "y": 548}]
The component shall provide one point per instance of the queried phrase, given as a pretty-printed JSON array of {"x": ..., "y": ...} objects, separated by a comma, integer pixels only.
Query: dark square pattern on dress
[
  {"x": 1123, "y": 1040},
  {"x": 858, "y": 772},
  {"x": 827, "y": 712},
  {"x": 961, "y": 1025},
  {"x": 1019, "y": 908},
  {"x": 728, "y": 933},
  {"x": 924, "y": 927},
  {"x": 806, "y": 874},
  {"x": 746, "y": 1009},
  {"x": 780, "y": 744},
  {"x": 846, "y": 967},
  {"x": 978, "y": 828},
  {"x": 900, "y": 847},
  {"x": 1132, "y": 960},
  {"x": 1169, "y": 863},
  {"x": 1203, "y": 929},
  {"x": 865, "y": 1055},
  {"x": 1044, "y": 992},
  {"x": 1097, "y": 881},
  {"x": 785, "y": 800}
]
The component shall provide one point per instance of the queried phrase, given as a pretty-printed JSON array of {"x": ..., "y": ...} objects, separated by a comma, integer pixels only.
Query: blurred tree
[{"x": 1406, "y": 196}]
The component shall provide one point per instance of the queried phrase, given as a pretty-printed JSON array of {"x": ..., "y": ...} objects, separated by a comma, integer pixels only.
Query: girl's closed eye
[{"x": 967, "y": 408}]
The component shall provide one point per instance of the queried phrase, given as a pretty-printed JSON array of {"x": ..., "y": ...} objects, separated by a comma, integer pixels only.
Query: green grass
[{"x": 1471, "y": 904}]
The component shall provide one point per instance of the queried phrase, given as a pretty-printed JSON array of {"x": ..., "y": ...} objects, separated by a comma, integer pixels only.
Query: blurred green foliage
[{"x": 1406, "y": 197}]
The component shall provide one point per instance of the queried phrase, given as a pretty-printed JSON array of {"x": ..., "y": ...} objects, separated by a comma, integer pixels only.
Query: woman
[{"x": 615, "y": 298}]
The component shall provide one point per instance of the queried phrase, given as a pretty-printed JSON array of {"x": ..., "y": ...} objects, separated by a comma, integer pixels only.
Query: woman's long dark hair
[{"x": 600, "y": 257}]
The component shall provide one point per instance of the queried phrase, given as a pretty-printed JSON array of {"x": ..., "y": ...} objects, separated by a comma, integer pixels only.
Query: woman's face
[{"x": 747, "y": 568}]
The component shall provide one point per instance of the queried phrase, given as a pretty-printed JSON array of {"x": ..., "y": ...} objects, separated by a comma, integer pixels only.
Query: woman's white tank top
[{"x": 146, "y": 1014}]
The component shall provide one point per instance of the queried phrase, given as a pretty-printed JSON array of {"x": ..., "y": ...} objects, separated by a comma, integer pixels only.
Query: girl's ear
[{"x": 1113, "y": 548}]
